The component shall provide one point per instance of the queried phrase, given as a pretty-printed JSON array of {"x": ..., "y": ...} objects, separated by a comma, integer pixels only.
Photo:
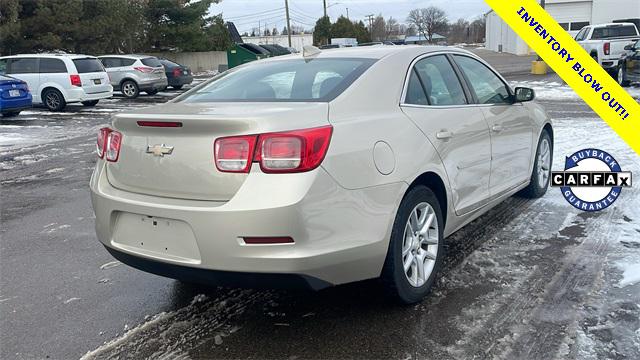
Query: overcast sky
[{"x": 246, "y": 14}]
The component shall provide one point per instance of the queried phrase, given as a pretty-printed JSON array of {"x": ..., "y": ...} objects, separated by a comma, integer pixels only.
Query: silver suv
[{"x": 134, "y": 73}]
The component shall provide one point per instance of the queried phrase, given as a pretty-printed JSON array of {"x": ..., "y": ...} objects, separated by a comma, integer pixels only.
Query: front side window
[
  {"x": 488, "y": 87},
  {"x": 23, "y": 66},
  {"x": 284, "y": 80},
  {"x": 52, "y": 66},
  {"x": 441, "y": 84},
  {"x": 582, "y": 34}
]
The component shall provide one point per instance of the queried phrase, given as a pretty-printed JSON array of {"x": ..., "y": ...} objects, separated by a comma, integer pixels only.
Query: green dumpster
[{"x": 244, "y": 53}]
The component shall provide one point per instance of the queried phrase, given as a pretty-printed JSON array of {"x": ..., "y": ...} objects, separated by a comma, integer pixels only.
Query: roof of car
[
  {"x": 376, "y": 52},
  {"x": 612, "y": 24},
  {"x": 130, "y": 56},
  {"x": 51, "y": 55}
]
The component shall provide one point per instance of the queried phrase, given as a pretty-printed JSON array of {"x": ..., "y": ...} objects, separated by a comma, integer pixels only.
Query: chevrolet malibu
[{"x": 318, "y": 169}]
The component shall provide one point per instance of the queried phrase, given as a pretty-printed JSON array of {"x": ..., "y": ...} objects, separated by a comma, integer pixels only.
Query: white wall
[
  {"x": 605, "y": 11},
  {"x": 197, "y": 61},
  {"x": 297, "y": 41},
  {"x": 499, "y": 33}
]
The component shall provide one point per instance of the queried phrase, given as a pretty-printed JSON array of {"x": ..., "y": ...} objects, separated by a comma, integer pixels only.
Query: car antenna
[{"x": 309, "y": 51}]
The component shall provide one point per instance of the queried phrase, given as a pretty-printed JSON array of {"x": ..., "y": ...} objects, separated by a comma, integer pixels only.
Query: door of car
[
  {"x": 509, "y": 122},
  {"x": 436, "y": 99},
  {"x": 26, "y": 69},
  {"x": 54, "y": 71}
]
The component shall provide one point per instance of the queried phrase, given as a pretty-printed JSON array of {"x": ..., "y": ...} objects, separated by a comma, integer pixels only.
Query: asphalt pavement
[{"x": 531, "y": 279}]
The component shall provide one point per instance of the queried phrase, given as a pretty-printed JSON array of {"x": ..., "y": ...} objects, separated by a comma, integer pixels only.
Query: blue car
[{"x": 14, "y": 96}]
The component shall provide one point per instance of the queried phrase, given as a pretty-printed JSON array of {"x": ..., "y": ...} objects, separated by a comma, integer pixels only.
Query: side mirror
[
  {"x": 524, "y": 94},
  {"x": 629, "y": 47}
]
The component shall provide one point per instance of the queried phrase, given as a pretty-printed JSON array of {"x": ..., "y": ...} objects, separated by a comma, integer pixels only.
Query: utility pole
[
  {"x": 370, "y": 18},
  {"x": 324, "y": 3},
  {"x": 286, "y": 6},
  {"x": 348, "y": 13},
  {"x": 542, "y": 3}
]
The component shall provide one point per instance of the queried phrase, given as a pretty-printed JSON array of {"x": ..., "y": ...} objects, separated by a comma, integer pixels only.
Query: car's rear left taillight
[
  {"x": 607, "y": 48},
  {"x": 234, "y": 154},
  {"x": 114, "y": 140},
  {"x": 101, "y": 144},
  {"x": 293, "y": 151},
  {"x": 75, "y": 80},
  {"x": 177, "y": 72},
  {"x": 144, "y": 69}
]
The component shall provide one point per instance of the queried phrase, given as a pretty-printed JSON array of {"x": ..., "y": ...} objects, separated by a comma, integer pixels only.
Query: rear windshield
[
  {"x": 151, "y": 61},
  {"x": 317, "y": 80},
  {"x": 168, "y": 63},
  {"x": 88, "y": 65},
  {"x": 613, "y": 32}
]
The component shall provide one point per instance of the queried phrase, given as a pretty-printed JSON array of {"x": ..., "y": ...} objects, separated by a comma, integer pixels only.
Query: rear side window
[
  {"x": 613, "y": 32},
  {"x": 111, "y": 62},
  {"x": 488, "y": 87},
  {"x": 285, "y": 80},
  {"x": 440, "y": 81},
  {"x": 52, "y": 66},
  {"x": 153, "y": 62},
  {"x": 88, "y": 65},
  {"x": 127, "y": 62},
  {"x": 3, "y": 66},
  {"x": 415, "y": 92},
  {"x": 23, "y": 66}
]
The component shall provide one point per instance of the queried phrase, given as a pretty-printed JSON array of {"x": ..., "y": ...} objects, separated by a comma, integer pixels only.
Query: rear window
[
  {"x": 168, "y": 63},
  {"x": 52, "y": 66},
  {"x": 613, "y": 32},
  {"x": 88, "y": 65},
  {"x": 153, "y": 62},
  {"x": 286, "y": 80}
]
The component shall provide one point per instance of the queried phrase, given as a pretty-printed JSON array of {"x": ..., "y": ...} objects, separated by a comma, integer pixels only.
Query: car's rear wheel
[
  {"x": 130, "y": 89},
  {"x": 416, "y": 247},
  {"x": 152, "y": 92},
  {"x": 177, "y": 87},
  {"x": 541, "y": 168},
  {"x": 54, "y": 100},
  {"x": 90, "y": 103},
  {"x": 622, "y": 76}
]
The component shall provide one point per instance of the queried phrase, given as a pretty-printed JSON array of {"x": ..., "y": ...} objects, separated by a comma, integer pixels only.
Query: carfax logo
[{"x": 592, "y": 179}]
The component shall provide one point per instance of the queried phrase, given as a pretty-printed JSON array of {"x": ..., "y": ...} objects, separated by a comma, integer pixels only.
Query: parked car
[
  {"x": 132, "y": 74},
  {"x": 342, "y": 166},
  {"x": 56, "y": 80},
  {"x": 629, "y": 69},
  {"x": 606, "y": 42},
  {"x": 177, "y": 75},
  {"x": 14, "y": 96}
]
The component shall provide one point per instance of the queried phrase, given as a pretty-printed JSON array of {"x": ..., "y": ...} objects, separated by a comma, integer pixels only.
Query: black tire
[
  {"x": 53, "y": 100},
  {"x": 90, "y": 103},
  {"x": 393, "y": 274},
  {"x": 10, "y": 113},
  {"x": 177, "y": 87},
  {"x": 152, "y": 92},
  {"x": 622, "y": 76},
  {"x": 129, "y": 89},
  {"x": 536, "y": 188}
]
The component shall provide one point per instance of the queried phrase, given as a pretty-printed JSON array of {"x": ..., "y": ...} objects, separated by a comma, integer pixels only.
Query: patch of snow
[
  {"x": 630, "y": 274},
  {"x": 110, "y": 265},
  {"x": 71, "y": 300}
]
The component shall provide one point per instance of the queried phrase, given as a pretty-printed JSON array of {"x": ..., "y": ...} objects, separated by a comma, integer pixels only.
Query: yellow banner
[{"x": 572, "y": 63}]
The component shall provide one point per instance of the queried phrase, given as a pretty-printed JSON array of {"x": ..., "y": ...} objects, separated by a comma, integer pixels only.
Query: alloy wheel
[
  {"x": 129, "y": 89},
  {"x": 544, "y": 162},
  {"x": 420, "y": 244},
  {"x": 53, "y": 100}
]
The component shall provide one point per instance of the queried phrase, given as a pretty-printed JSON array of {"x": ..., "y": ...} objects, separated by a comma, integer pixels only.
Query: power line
[{"x": 257, "y": 14}]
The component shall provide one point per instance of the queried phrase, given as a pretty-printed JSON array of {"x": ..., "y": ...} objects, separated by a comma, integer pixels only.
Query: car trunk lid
[{"x": 189, "y": 171}]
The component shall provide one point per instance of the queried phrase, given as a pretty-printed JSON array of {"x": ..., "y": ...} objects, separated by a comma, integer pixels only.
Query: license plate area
[
  {"x": 156, "y": 237},
  {"x": 97, "y": 81},
  {"x": 14, "y": 93}
]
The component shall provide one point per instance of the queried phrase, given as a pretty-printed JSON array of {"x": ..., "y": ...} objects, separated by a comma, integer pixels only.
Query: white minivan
[{"x": 58, "y": 79}]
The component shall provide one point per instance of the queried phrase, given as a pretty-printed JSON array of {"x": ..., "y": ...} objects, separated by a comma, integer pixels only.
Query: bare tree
[
  {"x": 428, "y": 21},
  {"x": 393, "y": 28},
  {"x": 459, "y": 32},
  {"x": 378, "y": 29}
]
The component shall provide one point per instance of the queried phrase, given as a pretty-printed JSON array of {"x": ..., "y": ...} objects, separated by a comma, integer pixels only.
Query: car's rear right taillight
[
  {"x": 234, "y": 154},
  {"x": 75, "y": 80},
  {"x": 101, "y": 144},
  {"x": 114, "y": 140}
]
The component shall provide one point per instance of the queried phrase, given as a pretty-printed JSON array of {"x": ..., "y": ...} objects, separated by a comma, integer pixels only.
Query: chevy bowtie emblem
[{"x": 159, "y": 150}]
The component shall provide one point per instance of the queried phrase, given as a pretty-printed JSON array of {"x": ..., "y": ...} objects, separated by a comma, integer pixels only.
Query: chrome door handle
[
  {"x": 497, "y": 128},
  {"x": 443, "y": 135}
]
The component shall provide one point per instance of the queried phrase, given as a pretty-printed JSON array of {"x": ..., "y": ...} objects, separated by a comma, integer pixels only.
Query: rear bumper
[
  {"x": 157, "y": 84},
  {"x": 182, "y": 80},
  {"x": 340, "y": 235},
  {"x": 78, "y": 95},
  {"x": 10, "y": 105}
]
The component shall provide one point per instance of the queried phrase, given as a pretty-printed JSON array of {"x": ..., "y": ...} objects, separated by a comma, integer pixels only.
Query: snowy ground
[{"x": 529, "y": 280}]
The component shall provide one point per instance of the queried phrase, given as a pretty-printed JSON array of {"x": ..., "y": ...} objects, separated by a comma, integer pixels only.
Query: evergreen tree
[
  {"x": 322, "y": 32},
  {"x": 361, "y": 33},
  {"x": 343, "y": 28}
]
